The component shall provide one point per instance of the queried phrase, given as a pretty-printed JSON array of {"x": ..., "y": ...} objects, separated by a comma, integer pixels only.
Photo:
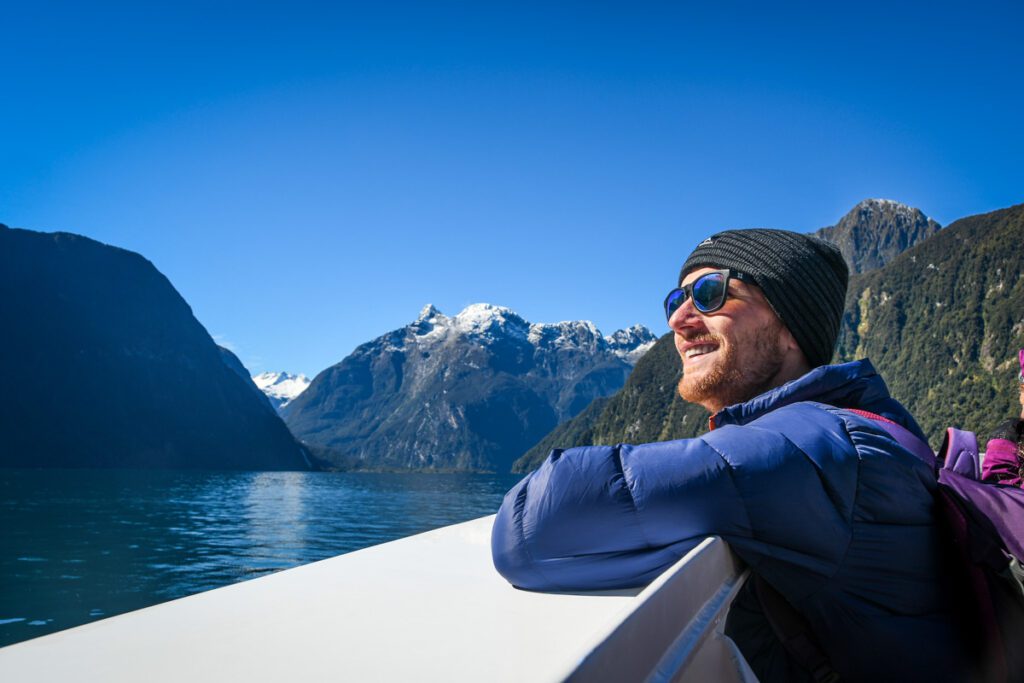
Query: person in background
[{"x": 1004, "y": 454}]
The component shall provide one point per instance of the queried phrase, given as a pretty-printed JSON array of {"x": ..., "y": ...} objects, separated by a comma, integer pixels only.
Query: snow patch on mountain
[
  {"x": 429, "y": 313},
  {"x": 488, "y": 319},
  {"x": 631, "y": 343},
  {"x": 890, "y": 206},
  {"x": 490, "y": 323},
  {"x": 281, "y": 387}
]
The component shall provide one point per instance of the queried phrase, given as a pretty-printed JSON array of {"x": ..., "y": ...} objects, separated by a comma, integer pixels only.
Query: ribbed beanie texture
[{"x": 804, "y": 279}]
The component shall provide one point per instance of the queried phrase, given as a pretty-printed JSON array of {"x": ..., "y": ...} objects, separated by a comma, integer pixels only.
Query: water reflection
[
  {"x": 78, "y": 545},
  {"x": 276, "y": 528}
]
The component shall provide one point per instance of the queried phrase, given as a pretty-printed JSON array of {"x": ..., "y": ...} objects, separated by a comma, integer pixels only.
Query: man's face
[{"x": 733, "y": 354}]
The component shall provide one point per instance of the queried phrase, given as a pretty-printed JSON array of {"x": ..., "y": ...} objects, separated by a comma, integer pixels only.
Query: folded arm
[
  {"x": 780, "y": 491},
  {"x": 611, "y": 517}
]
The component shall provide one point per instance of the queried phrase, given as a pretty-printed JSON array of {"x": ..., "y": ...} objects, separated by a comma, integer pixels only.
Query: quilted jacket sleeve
[{"x": 610, "y": 517}]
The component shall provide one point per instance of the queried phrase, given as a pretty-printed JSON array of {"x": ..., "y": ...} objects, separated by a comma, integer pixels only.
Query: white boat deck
[{"x": 429, "y": 607}]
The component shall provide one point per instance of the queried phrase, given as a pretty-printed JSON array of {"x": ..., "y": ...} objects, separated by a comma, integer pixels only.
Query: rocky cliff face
[
  {"x": 469, "y": 392},
  {"x": 876, "y": 231},
  {"x": 113, "y": 370}
]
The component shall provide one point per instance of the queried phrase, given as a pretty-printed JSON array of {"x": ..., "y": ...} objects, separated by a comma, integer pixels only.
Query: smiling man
[
  {"x": 796, "y": 474},
  {"x": 729, "y": 358}
]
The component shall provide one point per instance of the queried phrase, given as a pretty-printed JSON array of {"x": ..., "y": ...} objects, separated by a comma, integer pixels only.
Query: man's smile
[
  {"x": 697, "y": 350},
  {"x": 700, "y": 350}
]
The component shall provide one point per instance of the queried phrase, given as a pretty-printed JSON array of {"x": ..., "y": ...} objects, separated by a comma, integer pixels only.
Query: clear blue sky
[{"x": 310, "y": 175}]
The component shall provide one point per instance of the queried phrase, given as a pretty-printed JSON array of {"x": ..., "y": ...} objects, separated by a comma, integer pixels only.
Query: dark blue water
[{"x": 80, "y": 545}]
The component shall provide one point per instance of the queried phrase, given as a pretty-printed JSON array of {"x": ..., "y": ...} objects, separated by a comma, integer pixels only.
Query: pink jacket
[{"x": 1001, "y": 464}]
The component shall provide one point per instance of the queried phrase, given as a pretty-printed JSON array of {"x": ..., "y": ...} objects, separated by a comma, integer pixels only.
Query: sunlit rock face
[{"x": 876, "y": 231}]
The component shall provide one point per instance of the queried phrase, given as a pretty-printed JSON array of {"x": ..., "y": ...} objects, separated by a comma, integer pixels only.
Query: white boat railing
[{"x": 429, "y": 607}]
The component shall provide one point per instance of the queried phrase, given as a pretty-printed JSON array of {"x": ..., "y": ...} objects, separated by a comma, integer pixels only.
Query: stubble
[{"x": 746, "y": 368}]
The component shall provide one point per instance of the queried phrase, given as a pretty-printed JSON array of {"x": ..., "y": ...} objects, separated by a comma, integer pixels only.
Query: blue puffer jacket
[{"x": 819, "y": 501}]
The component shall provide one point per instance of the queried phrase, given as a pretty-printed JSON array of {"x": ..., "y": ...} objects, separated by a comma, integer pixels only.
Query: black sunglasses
[{"x": 708, "y": 291}]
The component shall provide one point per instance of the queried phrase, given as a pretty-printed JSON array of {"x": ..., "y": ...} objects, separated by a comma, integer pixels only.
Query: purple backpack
[{"x": 986, "y": 525}]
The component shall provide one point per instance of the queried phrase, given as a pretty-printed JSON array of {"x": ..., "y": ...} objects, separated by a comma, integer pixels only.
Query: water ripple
[{"x": 139, "y": 538}]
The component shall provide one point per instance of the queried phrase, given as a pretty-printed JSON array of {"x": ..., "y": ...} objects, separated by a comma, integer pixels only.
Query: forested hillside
[{"x": 943, "y": 322}]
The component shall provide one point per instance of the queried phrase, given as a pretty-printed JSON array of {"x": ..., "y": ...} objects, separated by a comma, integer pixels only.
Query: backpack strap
[
  {"x": 903, "y": 436},
  {"x": 959, "y": 451},
  {"x": 794, "y": 632}
]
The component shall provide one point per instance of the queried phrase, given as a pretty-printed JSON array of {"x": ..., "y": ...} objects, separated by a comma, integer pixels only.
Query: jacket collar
[{"x": 848, "y": 385}]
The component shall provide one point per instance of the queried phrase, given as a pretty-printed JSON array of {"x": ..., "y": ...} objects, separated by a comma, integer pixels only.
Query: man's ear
[{"x": 788, "y": 341}]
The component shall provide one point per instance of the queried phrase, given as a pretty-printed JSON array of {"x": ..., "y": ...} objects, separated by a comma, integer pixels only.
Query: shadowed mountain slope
[{"x": 104, "y": 365}]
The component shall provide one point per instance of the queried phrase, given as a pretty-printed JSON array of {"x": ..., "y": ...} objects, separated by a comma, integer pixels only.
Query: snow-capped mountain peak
[
  {"x": 488, "y": 319},
  {"x": 429, "y": 312},
  {"x": 631, "y": 343},
  {"x": 891, "y": 204},
  {"x": 565, "y": 334},
  {"x": 490, "y": 322},
  {"x": 281, "y": 387},
  {"x": 631, "y": 336}
]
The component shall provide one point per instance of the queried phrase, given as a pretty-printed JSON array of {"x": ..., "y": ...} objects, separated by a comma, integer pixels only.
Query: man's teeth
[{"x": 699, "y": 350}]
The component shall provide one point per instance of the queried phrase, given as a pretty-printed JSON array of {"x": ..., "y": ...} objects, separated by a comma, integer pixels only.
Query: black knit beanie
[{"x": 804, "y": 279}]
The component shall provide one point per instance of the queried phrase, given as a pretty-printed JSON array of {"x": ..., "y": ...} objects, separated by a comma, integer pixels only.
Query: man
[{"x": 825, "y": 507}]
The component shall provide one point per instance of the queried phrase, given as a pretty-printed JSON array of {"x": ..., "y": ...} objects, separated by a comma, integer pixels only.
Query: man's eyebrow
[{"x": 746, "y": 290}]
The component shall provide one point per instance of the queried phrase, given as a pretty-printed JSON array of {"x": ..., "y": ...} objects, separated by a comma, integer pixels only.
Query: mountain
[
  {"x": 280, "y": 388},
  {"x": 469, "y": 392},
  {"x": 113, "y": 369},
  {"x": 631, "y": 343},
  {"x": 648, "y": 408},
  {"x": 235, "y": 363},
  {"x": 876, "y": 231},
  {"x": 943, "y": 323}
]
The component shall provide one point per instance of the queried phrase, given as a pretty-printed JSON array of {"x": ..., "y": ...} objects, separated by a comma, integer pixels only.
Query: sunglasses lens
[
  {"x": 709, "y": 292},
  {"x": 675, "y": 299}
]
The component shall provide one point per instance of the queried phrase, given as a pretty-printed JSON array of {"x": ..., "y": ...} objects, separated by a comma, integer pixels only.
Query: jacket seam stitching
[
  {"x": 853, "y": 505},
  {"x": 521, "y": 532},
  {"x": 632, "y": 498},
  {"x": 736, "y": 489}
]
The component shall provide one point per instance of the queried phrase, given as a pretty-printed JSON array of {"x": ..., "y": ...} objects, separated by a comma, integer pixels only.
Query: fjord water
[{"x": 81, "y": 545}]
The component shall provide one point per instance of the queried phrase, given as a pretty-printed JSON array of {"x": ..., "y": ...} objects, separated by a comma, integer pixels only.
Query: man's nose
[{"x": 684, "y": 316}]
